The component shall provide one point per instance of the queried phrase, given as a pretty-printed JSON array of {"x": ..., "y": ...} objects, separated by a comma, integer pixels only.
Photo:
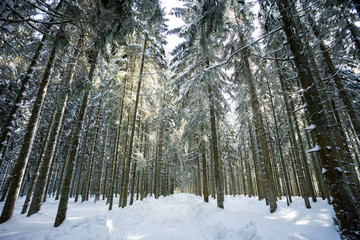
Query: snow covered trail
[{"x": 180, "y": 216}]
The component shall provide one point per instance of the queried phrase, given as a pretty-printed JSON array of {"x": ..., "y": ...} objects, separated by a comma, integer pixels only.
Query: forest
[{"x": 259, "y": 98}]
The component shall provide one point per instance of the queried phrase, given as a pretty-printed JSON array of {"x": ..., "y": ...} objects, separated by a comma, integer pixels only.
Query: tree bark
[
  {"x": 24, "y": 82},
  {"x": 159, "y": 160},
  {"x": 260, "y": 133},
  {"x": 39, "y": 190},
  {"x": 131, "y": 141},
  {"x": 67, "y": 151},
  {"x": 19, "y": 169},
  {"x": 298, "y": 173},
  {"x": 113, "y": 170},
  {"x": 81, "y": 160},
  {"x": 277, "y": 137},
  {"x": 217, "y": 165},
  {"x": 100, "y": 168},
  {"x": 63, "y": 204},
  {"x": 204, "y": 166},
  {"x": 344, "y": 206},
  {"x": 37, "y": 166},
  {"x": 88, "y": 176}
]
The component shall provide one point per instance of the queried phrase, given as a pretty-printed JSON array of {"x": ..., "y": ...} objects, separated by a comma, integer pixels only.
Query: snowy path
[{"x": 181, "y": 216}]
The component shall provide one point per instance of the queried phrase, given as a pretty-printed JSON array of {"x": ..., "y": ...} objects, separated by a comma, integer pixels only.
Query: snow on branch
[
  {"x": 302, "y": 107},
  {"x": 315, "y": 149},
  {"x": 311, "y": 127},
  {"x": 242, "y": 49}
]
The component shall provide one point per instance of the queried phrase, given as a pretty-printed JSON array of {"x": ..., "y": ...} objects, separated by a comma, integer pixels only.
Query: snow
[
  {"x": 311, "y": 127},
  {"x": 315, "y": 149},
  {"x": 6, "y": 27},
  {"x": 338, "y": 169},
  {"x": 301, "y": 107},
  {"x": 180, "y": 216}
]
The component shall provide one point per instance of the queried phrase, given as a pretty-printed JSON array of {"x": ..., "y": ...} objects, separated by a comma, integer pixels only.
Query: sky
[{"x": 173, "y": 22}]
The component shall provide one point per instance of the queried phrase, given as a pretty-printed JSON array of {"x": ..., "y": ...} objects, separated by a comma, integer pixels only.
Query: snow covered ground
[{"x": 180, "y": 216}]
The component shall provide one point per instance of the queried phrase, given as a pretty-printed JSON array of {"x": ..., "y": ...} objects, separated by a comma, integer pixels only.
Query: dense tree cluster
[{"x": 261, "y": 98}]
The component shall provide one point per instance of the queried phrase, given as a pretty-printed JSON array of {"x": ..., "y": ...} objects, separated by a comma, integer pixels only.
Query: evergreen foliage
[{"x": 260, "y": 98}]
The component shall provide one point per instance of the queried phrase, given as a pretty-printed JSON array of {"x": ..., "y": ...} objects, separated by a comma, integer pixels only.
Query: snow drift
[{"x": 180, "y": 216}]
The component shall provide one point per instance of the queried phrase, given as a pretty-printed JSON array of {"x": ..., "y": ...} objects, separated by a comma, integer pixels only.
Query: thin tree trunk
[
  {"x": 82, "y": 158},
  {"x": 87, "y": 180},
  {"x": 36, "y": 169},
  {"x": 63, "y": 204},
  {"x": 135, "y": 175},
  {"x": 39, "y": 190},
  {"x": 52, "y": 170},
  {"x": 260, "y": 133},
  {"x": 113, "y": 170},
  {"x": 100, "y": 168},
  {"x": 355, "y": 120},
  {"x": 344, "y": 205},
  {"x": 217, "y": 164},
  {"x": 159, "y": 161},
  {"x": 105, "y": 180},
  {"x": 212, "y": 172},
  {"x": 67, "y": 151},
  {"x": 307, "y": 178},
  {"x": 272, "y": 160},
  {"x": 204, "y": 174},
  {"x": 24, "y": 83},
  {"x": 147, "y": 158},
  {"x": 198, "y": 175},
  {"x": 259, "y": 180},
  {"x": 19, "y": 169},
  {"x": 296, "y": 157},
  {"x": 131, "y": 141},
  {"x": 277, "y": 138}
]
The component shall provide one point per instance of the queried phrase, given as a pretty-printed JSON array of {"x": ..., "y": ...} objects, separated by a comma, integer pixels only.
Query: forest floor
[{"x": 180, "y": 216}]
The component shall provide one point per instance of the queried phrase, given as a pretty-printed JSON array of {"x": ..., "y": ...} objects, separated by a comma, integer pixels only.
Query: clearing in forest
[{"x": 179, "y": 216}]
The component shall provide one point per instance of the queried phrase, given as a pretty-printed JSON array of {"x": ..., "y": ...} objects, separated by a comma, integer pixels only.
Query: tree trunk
[
  {"x": 307, "y": 178},
  {"x": 198, "y": 174},
  {"x": 135, "y": 174},
  {"x": 131, "y": 141},
  {"x": 63, "y": 204},
  {"x": 296, "y": 157},
  {"x": 338, "y": 81},
  {"x": 277, "y": 138},
  {"x": 52, "y": 170},
  {"x": 147, "y": 158},
  {"x": 260, "y": 132},
  {"x": 67, "y": 151},
  {"x": 40, "y": 186},
  {"x": 159, "y": 161},
  {"x": 113, "y": 170},
  {"x": 82, "y": 158},
  {"x": 343, "y": 202},
  {"x": 217, "y": 165},
  {"x": 212, "y": 171},
  {"x": 259, "y": 181},
  {"x": 19, "y": 169},
  {"x": 36, "y": 169},
  {"x": 87, "y": 180},
  {"x": 6, "y": 127},
  {"x": 100, "y": 168},
  {"x": 204, "y": 174}
]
